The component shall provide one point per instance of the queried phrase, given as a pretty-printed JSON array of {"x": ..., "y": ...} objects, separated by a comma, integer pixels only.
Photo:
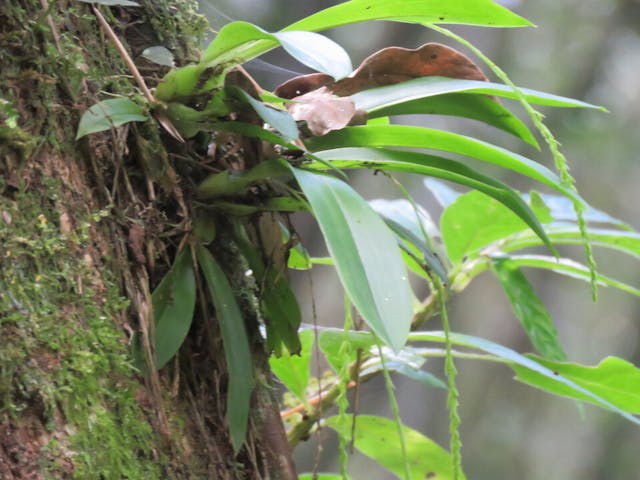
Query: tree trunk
[{"x": 87, "y": 230}]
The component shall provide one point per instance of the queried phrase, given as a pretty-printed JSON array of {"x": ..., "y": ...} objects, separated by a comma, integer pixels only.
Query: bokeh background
[{"x": 586, "y": 49}]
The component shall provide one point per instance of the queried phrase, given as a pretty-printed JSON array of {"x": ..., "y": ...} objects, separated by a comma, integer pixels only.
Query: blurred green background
[{"x": 586, "y": 49}]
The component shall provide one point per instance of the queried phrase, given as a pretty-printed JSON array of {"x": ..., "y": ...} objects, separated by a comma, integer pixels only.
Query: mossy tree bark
[{"x": 87, "y": 230}]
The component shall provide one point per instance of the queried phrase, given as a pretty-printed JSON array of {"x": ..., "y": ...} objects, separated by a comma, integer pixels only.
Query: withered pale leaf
[{"x": 322, "y": 110}]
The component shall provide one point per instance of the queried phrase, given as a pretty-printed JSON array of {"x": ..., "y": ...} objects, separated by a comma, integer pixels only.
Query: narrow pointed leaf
[
  {"x": 419, "y": 137},
  {"x": 237, "y": 41},
  {"x": 236, "y": 346},
  {"x": 469, "y": 12},
  {"x": 547, "y": 379},
  {"x": 570, "y": 268},
  {"x": 413, "y": 162},
  {"x": 528, "y": 308},
  {"x": 475, "y": 107},
  {"x": 623, "y": 241},
  {"x": 378, "y": 438},
  {"x": 174, "y": 301},
  {"x": 281, "y": 120},
  {"x": 377, "y": 98},
  {"x": 366, "y": 255}
]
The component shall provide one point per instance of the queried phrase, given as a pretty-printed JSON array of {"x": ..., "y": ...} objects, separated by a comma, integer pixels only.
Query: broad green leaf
[
  {"x": 535, "y": 369},
  {"x": 174, "y": 301},
  {"x": 159, "y": 54},
  {"x": 330, "y": 343},
  {"x": 281, "y": 120},
  {"x": 236, "y": 346},
  {"x": 474, "y": 221},
  {"x": 613, "y": 379},
  {"x": 235, "y": 44},
  {"x": 469, "y": 12},
  {"x": 382, "y": 97},
  {"x": 570, "y": 268},
  {"x": 413, "y": 162},
  {"x": 419, "y": 137},
  {"x": 623, "y": 241},
  {"x": 366, "y": 255},
  {"x": 476, "y": 107},
  {"x": 528, "y": 308},
  {"x": 293, "y": 370},
  {"x": 378, "y": 438},
  {"x": 109, "y": 114},
  {"x": 412, "y": 226}
]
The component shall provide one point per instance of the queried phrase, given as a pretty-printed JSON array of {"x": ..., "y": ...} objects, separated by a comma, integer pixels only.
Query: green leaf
[
  {"x": 419, "y": 137},
  {"x": 571, "y": 269},
  {"x": 613, "y": 379},
  {"x": 378, "y": 438},
  {"x": 467, "y": 12},
  {"x": 174, "y": 301},
  {"x": 382, "y": 97},
  {"x": 528, "y": 308},
  {"x": 235, "y": 44},
  {"x": 293, "y": 370},
  {"x": 236, "y": 346},
  {"x": 109, "y": 114},
  {"x": 281, "y": 120},
  {"x": 476, "y": 107},
  {"x": 279, "y": 305},
  {"x": 281, "y": 310},
  {"x": 536, "y": 370},
  {"x": 413, "y": 162},
  {"x": 563, "y": 234},
  {"x": 230, "y": 184},
  {"x": 474, "y": 221},
  {"x": 366, "y": 255},
  {"x": 330, "y": 343},
  {"x": 232, "y": 39},
  {"x": 159, "y": 54},
  {"x": 182, "y": 83},
  {"x": 411, "y": 226},
  {"x": 299, "y": 258}
]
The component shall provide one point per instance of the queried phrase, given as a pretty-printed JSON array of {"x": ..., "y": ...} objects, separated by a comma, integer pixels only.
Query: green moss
[{"x": 61, "y": 353}]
